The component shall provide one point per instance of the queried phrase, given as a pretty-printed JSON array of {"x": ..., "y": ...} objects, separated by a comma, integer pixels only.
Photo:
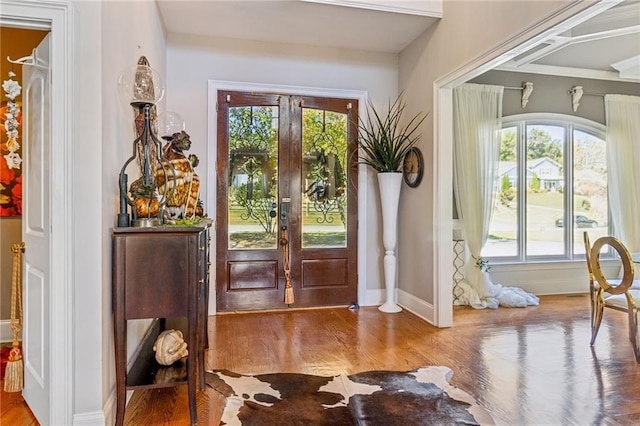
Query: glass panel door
[
  {"x": 253, "y": 178},
  {"x": 324, "y": 164},
  {"x": 286, "y": 201}
]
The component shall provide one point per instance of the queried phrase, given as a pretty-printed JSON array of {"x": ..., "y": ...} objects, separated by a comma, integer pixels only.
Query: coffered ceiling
[{"x": 606, "y": 46}]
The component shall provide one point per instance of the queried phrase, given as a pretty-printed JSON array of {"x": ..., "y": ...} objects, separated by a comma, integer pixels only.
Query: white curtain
[
  {"x": 623, "y": 166},
  {"x": 476, "y": 147}
]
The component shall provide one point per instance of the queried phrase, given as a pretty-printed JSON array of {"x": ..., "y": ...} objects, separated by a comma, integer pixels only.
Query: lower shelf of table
[{"x": 146, "y": 373}]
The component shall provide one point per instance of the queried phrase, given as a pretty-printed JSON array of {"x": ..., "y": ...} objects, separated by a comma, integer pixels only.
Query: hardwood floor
[
  {"x": 13, "y": 410},
  {"x": 526, "y": 366}
]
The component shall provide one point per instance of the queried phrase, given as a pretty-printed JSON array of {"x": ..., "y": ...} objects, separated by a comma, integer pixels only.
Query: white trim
[
  {"x": 430, "y": 8},
  {"x": 109, "y": 406},
  {"x": 89, "y": 419},
  {"x": 555, "y": 23},
  {"x": 417, "y": 306},
  {"x": 552, "y": 117},
  {"x": 24, "y": 24},
  {"x": 371, "y": 297},
  {"x": 567, "y": 72},
  {"x": 442, "y": 230},
  {"x": 212, "y": 135},
  {"x": 629, "y": 68},
  {"x": 568, "y": 276},
  {"x": 58, "y": 15},
  {"x": 594, "y": 14}
]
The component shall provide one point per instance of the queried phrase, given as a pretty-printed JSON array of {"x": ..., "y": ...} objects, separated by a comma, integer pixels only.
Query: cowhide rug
[{"x": 418, "y": 397}]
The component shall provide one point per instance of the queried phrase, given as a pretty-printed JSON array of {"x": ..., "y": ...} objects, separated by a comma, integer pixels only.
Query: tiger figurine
[{"x": 184, "y": 200}]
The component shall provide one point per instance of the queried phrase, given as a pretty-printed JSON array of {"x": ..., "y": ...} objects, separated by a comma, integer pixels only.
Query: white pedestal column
[{"x": 390, "y": 184}]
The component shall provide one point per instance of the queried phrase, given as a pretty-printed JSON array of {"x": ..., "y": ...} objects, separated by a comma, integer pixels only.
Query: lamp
[{"x": 141, "y": 86}]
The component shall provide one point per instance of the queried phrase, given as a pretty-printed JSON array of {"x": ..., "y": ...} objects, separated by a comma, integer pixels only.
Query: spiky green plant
[{"x": 383, "y": 141}]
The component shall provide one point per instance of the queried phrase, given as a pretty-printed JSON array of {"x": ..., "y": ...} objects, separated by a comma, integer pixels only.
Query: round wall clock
[{"x": 413, "y": 167}]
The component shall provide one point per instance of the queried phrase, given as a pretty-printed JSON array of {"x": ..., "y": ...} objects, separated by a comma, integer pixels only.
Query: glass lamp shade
[
  {"x": 169, "y": 122},
  {"x": 141, "y": 84}
]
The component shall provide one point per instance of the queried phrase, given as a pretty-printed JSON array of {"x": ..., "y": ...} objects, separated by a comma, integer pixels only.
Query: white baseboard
[
  {"x": 545, "y": 279},
  {"x": 95, "y": 418},
  {"x": 416, "y": 306},
  {"x": 372, "y": 298},
  {"x": 547, "y": 287},
  {"x": 109, "y": 408},
  {"x": 408, "y": 301}
]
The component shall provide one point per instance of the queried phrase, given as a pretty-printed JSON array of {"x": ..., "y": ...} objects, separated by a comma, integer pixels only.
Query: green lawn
[
  {"x": 310, "y": 218},
  {"x": 262, "y": 240},
  {"x": 544, "y": 209}
]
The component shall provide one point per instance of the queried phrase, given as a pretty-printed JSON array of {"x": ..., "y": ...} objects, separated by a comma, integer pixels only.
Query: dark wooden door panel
[
  {"x": 253, "y": 275},
  {"x": 249, "y": 259},
  {"x": 325, "y": 271},
  {"x": 286, "y": 161}
]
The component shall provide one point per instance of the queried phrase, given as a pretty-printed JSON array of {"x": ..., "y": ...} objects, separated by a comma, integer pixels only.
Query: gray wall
[
  {"x": 468, "y": 29},
  {"x": 550, "y": 93}
]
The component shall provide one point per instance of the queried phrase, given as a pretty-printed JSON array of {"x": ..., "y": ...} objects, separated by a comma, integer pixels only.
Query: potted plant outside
[{"x": 383, "y": 143}]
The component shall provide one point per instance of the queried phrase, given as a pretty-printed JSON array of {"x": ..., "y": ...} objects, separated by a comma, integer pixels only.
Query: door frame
[
  {"x": 363, "y": 173},
  {"x": 57, "y": 17}
]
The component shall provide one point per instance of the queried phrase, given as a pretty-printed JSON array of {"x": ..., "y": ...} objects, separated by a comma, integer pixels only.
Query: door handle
[{"x": 284, "y": 204}]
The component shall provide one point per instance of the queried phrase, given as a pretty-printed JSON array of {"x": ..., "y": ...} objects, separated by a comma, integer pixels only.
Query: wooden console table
[{"x": 161, "y": 273}]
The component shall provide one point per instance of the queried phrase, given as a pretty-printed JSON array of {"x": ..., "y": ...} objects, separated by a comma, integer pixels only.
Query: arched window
[{"x": 551, "y": 186}]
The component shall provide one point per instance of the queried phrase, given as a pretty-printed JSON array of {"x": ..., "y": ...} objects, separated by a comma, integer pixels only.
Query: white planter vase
[{"x": 390, "y": 184}]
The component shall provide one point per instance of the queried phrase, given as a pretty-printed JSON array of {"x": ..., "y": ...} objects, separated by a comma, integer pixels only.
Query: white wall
[
  {"x": 468, "y": 30},
  {"x": 130, "y": 29},
  {"x": 87, "y": 230},
  {"x": 193, "y": 61}
]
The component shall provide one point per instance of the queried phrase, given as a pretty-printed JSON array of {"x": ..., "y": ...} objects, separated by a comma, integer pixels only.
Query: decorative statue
[
  {"x": 576, "y": 93},
  {"x": 170, "y": 347},
  {"x": 184, "y": 202}
]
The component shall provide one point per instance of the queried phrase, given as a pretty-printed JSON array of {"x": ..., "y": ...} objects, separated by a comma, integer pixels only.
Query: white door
[{"x": 36, "y": 231}]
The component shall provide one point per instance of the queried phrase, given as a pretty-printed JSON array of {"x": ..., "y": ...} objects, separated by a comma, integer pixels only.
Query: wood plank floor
[{"x": 529, "y": 366}]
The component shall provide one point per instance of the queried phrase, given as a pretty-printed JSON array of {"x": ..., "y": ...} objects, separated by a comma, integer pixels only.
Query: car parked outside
[{"x": 581, "y": 221}]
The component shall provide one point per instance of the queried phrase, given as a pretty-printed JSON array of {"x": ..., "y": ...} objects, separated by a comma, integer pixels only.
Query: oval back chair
[{"x": 621, "y": 295}]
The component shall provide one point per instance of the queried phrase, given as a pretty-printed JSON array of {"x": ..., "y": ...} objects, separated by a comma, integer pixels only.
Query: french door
[
  {"x": 36, "y": 225},
  {"x": 286, "y": 201}
]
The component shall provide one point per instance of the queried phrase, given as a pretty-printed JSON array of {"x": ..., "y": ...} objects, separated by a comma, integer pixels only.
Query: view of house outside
[{"x": 562, "y": 164}]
